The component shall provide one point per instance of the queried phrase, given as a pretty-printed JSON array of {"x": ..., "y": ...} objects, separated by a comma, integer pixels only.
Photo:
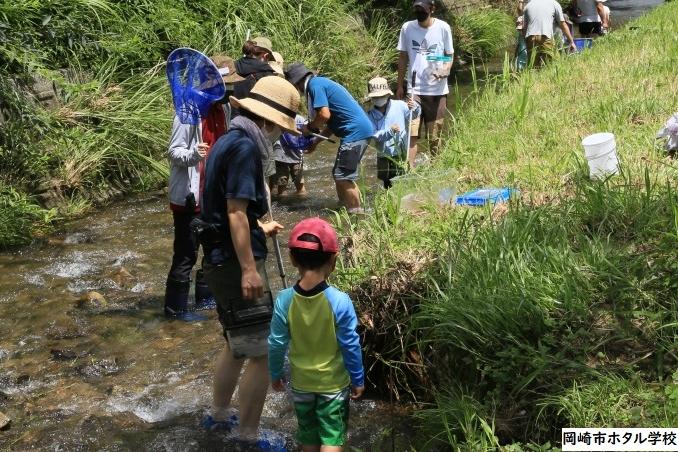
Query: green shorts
[{"x": 322, "y": 418}]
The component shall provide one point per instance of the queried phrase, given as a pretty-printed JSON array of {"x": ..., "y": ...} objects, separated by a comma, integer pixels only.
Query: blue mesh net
[{"x": 195, "y": 83}]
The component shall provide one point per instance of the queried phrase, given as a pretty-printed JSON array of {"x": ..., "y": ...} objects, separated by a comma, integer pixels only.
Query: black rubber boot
[
  {"x": 176, "y": 302},
  {"x": 204, "y": 300}
]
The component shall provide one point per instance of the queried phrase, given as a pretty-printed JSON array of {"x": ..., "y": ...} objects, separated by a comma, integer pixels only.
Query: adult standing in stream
[
  {"x": 234, "y": 240},
  {"x": 426, "y": 52},
  {"x": 332, "y": 110}
]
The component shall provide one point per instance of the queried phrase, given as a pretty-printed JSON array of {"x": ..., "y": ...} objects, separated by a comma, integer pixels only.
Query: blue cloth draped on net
[{"x": 195, "y": 83}]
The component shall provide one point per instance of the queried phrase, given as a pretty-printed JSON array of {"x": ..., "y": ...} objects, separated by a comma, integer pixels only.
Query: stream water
[{"x": 79, "y": 372}]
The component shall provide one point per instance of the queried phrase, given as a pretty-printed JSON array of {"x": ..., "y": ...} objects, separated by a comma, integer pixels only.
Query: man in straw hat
[
  {"x": 234, "y": 241},
  {"x": 333, "y": 110}
]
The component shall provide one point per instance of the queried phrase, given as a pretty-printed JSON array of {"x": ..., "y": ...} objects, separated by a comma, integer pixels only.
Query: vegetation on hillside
[
  {"x": 110, "y": 126},
  {"x": 560, "y": 309}
]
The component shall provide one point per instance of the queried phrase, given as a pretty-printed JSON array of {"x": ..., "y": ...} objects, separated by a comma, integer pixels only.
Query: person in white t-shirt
[
  {"x": 592, "y": 18},
  {"x": 426, "y": 51}
]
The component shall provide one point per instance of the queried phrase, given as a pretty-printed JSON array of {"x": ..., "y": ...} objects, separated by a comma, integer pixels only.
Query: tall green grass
[
  {"x": 482, "y": 33},
  {"x": 501, "y": 318}
]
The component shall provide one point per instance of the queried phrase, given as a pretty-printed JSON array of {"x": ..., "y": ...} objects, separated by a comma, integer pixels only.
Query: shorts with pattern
[
  {"x": 322, "y": 418},
  {"x": 348, "y": 159},
  {"x": 283, "y": 171}
]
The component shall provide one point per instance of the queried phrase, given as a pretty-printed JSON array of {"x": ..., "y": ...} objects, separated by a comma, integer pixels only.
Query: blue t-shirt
[
  {"x": 348, "y": 120},
  {"x": 234, "y": 171}
]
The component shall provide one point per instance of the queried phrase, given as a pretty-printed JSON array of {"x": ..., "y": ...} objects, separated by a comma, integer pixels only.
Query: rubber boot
[
  {"x": 176, "y": 301},
  {"x": 204, "y": 300}
]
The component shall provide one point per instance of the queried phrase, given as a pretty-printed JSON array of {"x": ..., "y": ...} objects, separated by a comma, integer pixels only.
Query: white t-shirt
[
  {"x": 423, "y": 44},
  {"x": 589, "y": 13},
  {"x": 539, "y": 17}
]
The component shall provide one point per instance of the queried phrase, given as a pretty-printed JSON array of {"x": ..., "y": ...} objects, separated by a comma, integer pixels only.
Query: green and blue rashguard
[{"x": 324, "y": 347}]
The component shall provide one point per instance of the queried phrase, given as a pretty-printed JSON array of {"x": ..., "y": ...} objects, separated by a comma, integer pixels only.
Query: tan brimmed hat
[
  {"x": 226, "y": 66},
  {"x": 277, "y": 63},
  {"x": 378, "y": 87},
  {"x": 264, "y": 43},
  {"x": 274, "y": 99}
]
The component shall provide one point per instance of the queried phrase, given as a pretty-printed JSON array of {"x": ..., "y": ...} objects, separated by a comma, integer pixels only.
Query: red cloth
[{"x": 213, "y": 127}]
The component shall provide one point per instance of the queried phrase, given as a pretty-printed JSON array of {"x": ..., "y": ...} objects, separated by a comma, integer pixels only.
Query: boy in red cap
[{"x": 318, "y": 323}]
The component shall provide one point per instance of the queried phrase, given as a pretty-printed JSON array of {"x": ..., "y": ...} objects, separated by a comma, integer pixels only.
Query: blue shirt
[
  {"x": 234, "y": 171},
  {"x": 348, "y": 121},
  {"x": 390, "y": 144}
]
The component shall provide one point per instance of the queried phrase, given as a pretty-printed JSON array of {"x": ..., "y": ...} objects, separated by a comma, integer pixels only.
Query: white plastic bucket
[{"x": 600, "y": 150}]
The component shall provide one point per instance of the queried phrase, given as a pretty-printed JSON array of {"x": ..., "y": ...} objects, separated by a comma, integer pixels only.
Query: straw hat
[
  {"x": 277, "y": 63},
  {"x": 378, "y": 87},
  {"x": 274, "y": 99},
  {"x": 227, "y": 68},
  {"x": 264, "y": 43}
]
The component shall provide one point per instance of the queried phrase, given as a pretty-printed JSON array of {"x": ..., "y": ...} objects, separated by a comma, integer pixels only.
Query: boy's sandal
[{"x": 212, "y": 425}]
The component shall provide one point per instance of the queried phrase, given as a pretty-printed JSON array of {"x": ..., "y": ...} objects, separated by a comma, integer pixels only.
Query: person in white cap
[
  {"x": 426, "y": 51},
  {"x": 234, "y": 242},
  {"x": 391, "y": 120}
]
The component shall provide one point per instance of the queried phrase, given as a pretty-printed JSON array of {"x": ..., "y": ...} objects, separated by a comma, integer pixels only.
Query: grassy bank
[
  {"x": 560, "y": 309},
  {"x": 108, "y": 130}
]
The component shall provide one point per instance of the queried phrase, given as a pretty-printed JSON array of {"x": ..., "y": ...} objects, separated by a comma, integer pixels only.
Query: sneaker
[
  {"x": 259, "y": 445},
  {"x": 184, "y": 316},
  {"x": 212, "y": 425},
  {"x": 206, "y": 304}
]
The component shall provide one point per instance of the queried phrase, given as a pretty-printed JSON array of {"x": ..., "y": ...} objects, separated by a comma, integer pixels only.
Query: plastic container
[
  {"x": 583, "y": 43},
  {"x": 600, "y": 150},
  {"x": 485, "y": 196}
]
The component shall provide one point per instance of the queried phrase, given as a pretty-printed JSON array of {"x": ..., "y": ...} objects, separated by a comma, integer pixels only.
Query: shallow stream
[{"x": 80, "y": 372}]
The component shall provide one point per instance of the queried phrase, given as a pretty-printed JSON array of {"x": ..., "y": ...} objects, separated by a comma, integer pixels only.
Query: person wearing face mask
[
  {"x": 332, "y": 110},
  {"x": 234, "y": 201},
  {"x": 390, "y": 119},
  {"x": 187, "y": 154},
  {"x": 426, "y": 54}
]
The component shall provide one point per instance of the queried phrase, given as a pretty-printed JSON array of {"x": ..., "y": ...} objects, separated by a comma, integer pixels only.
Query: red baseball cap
[{"x": 318, "y": 228}]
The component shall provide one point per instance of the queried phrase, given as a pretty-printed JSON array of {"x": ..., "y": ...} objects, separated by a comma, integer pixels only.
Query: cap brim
[
  {"x": 233, "y": 78},
  {"x": 382, "y": 93},
  {"x": 268, "y": 113},
  {"x": 299, "y": 78}
]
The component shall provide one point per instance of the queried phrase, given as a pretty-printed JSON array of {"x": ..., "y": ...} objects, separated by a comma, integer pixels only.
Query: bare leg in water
[{"x": 253, "y": 388}]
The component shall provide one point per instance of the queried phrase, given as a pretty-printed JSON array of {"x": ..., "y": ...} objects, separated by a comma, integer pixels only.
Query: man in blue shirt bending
[{"x": 332, "y": 109}]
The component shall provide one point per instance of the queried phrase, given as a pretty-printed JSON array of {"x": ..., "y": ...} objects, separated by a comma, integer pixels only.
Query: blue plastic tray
[
  {"x": 484, "y": 196},
  {"x": 583, "y": 43}
]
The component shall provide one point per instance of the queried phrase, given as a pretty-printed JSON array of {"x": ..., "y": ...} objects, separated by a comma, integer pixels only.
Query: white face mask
[
  {"x": 380, "y": 101},
  {"x": 272, "y": 133}
]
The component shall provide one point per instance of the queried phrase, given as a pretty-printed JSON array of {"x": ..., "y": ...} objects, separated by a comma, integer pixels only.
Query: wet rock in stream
[
  {"x": 99, "y": 368},
  {"x": 92, "y": 300},
  {"x": 4, "y": 421},
  {"x": 63, "y": 355}
]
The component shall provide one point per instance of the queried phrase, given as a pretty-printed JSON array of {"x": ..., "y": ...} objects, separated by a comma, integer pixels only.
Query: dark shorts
[
  {"x": 433, "y": 110},
  {"x": 284, "y": 170},
  {"x": 589, "y": 28},
  {"x": 389, "y": 167},
  {"x": 322, "y": 418},
  {"x": 225, "y": 283},
  {"x": 348, "y": 159}
]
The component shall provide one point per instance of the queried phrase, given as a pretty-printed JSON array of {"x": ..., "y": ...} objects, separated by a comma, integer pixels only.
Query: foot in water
[
  {"x": 184, "y": 316},
  {"x": 213, "y": 425}
]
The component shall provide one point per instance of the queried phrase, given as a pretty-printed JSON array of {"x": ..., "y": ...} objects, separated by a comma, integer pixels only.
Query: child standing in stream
[{"x": 318, "y": 323}]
